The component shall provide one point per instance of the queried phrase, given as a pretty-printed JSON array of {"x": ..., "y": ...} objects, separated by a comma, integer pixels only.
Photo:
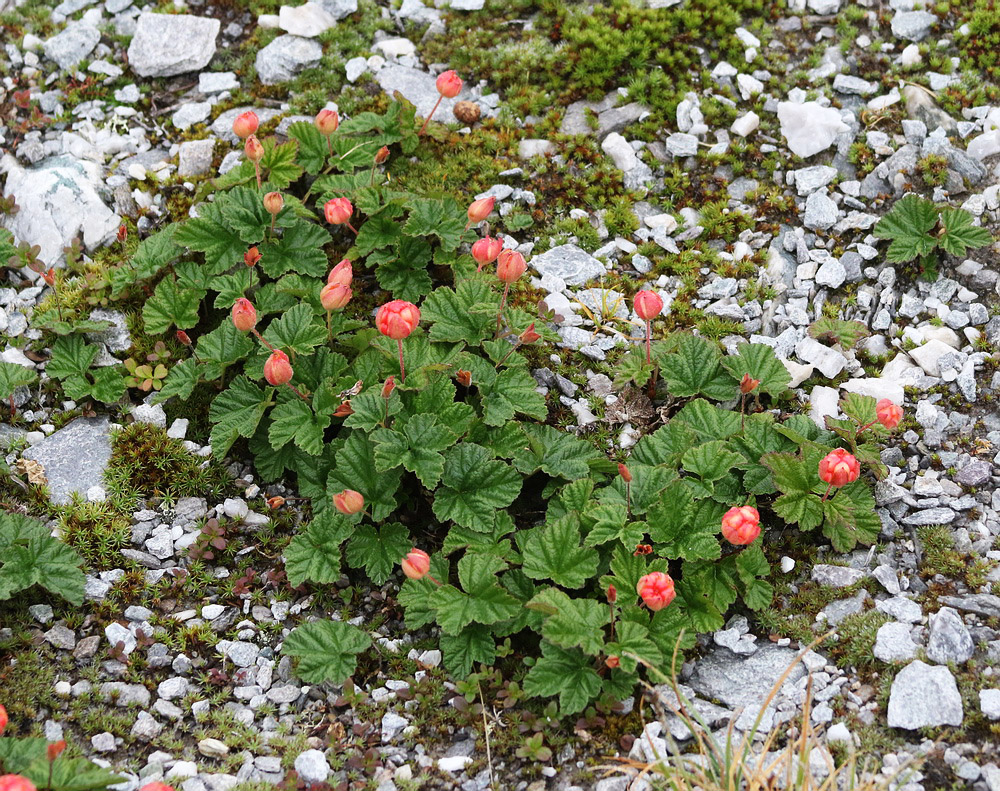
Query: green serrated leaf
[
  {"x": 295, "y": 420},
  {"x": 417, "y": 447},
  {"x": 209, "y": 233},
  {"x": 695, "y": 368},
  {"x": 30, "y": 556},
  {"x": 313, "y": 147},
  {"x": 171, "y": 304},
  {"x": 557, "y": 453},
  {"x": 908, "y": 225},
  {"x": 314, "y": 553},
  {"x": 378, "y": 550},
  {"x": 13, "y": 376},
  {"x": 513, "y": 391},
  {"x": 70, "y": 355},
  {"x": 298, "y": 329},
  {"x": 711, "y": 460},
  {"x": 553, "y": 552},
  {"x": 462, "y": 651},
  {"x": 440, "y": 218},
  {"x": 233, "y": 285},
  {"x": 483, "y": 601},
  {"x": 355, "y": 469},
  {"x": 474, "y": 486},
  {"x": 222, "y": 347},
  {"x": 326, "y": 650},
  {"x": 844, "y": 333},
  {"x": 449, "y": 312},
  {"x": 236, "y": 412},
  {"x": 571, "y": 623},
  {"x": 960, "y": 234},
  {"x": 298, "y": 249},
  {"x": 758, "y": 360},
  {"x": 566, "y": 673}
]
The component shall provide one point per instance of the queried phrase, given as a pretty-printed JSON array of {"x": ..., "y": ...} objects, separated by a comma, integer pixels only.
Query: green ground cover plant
[{"x": 425, "y": 430}]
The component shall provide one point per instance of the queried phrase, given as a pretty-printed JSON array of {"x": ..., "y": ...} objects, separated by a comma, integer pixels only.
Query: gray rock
[
  {"x": 975, "y": 473},
  {"x": 808, "y": 180},
  {"x": 821, "y": 212},
  {"x": 168, "y": 44},
  {"x": 285, "y": 57},
  {"x": 831, "y": 274},
  {"x": 610, "y": 117},
  {"x": 989, "y": 703},
  {"x": 60, "y": 199},
  {"x": 893, "y": 643},
  {"x": 836, "y": 576},
  {"x": 931, "y": 516},
  {"x": 217, "y": 81},
  {"x": 392, "y": 725},
  {"x": 924, "y": 696},
  {"x": 949, "y": 639},
  {"x": 195, "y": 157},
  {"x": 913, "y": 25},
  {"x": 74, "y": 458},
  {"x": 837, "y": 611},
  {"x": 845, "y": 83},
  {"x": 146, "y": 728},
  {"x": 125, "y": 694},
  {"x": 419, "y": 87},
  {"x": 312, "y": 766},
  {"x": 744, "y": 683},
  {"x": 103, "y": 742},
  {"x": 980, "y": 603},
  {"x": 116, "y": 337},
  {"x": 191, "y": 113},
  {"x": 339, "y": 8},
  {"x": 242, "y": 654},
  {"x": 569, "y": 263},
  {"x": 60, "y": 636},
  {"x": 681, "y": 144},
  {"x": 76, "y": 41},
  {"x": 827, "y": 360},
  {"x": 467, "y": 5},
  {"x": 309, "y": 19},
  {"x": 173, "y": 688}
]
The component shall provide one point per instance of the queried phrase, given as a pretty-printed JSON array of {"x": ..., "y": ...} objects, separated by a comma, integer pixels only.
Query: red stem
[
  {"x": 402, "y": 370},
  {"x": 503, "y": 302},
  {"x": 649, "y": 335},
  {"x": 829, "y": 486},
  {"x": 428, "y": 118},
  {"x": 261, "y": 339},
  {"x": 352, "y": 227},
  {"x": 297, "y": 392},
  {"x": 256, "y": 167}
]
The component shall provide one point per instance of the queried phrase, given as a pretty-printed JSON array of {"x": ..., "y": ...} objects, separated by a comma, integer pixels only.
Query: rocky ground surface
[{"x": 162, "y": 683}]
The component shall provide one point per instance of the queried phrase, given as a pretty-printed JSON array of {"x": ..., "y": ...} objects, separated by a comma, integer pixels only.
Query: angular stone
[
  {"x": 924, "y": 696},
  {"x": 827, "y": 360},
  {"x": 195, "y": 157},
  {"x": 989, "y": 703},
  {"x": 975, "y": 473},
  {"x": 821, "y": 212},
  {"x": 168, "y": 44},
  {"x": 569, "y": 263},
  {"x": 980, "y": 603},
  {"x": 744, "y": 683},
  {"x": 76, "y": 41},
  {"x": 60, "y": 199},
  {"x": 312, "y": 766},
  {"x": 808, "y": 180},
  {"x": 308, "y": 20},
  {"x": 809, "y": 128},
  {"x": 900, "y": 608},
  {"x": 285, "y": 57},
  {"x": 893, "y": 643},
  {"x": 74, "y": 458},
  {"x": 913, "y": 25},
  {"x": 949, "y": 639},
  {"x": 60, "y": 636},
  {"x": 836, "y": 576}
]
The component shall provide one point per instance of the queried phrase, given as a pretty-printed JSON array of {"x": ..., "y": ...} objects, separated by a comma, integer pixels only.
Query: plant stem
[
  {"x": 329, "y": 327},
  {"x": 402, "y": 370},
  {"x": 503, "y": 359},
  {"x": 829, "y": 486},
  {"x": 297, "y": 392},
  {"x": 261, "y": 339},
  {"x": 503, "y": 302},
  {"x": 256, "y": 167},
  {"x": 649, "y": 336},
  {"x": 352, "y": 227},
  {"x": 428, "y": 118}
]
